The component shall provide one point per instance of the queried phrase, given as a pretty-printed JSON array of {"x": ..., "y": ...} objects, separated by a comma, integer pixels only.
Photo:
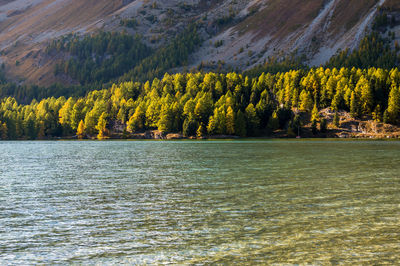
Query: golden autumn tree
[
  {"x": 81, "y": 130},
  {"x": 101, "y": 126}
]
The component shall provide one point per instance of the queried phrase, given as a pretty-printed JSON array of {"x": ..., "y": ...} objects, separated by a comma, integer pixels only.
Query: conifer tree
[
  {"x": 200, "y": 131},
  {"x": 377, "y": 114},
  {"x": 347, "y": 96},
  {"x": 212, "y": 125},
  {"x": 3, "y": 131},
  {"x": 354, "y": 105},
  {"x": 165, "y": 123},
  {"x": 386, "y": 117},
  {"x": 251, "y": 119},
  {"x": 367, "y": 97},
  {"x": 65, "y": 112},
  {"x": 203, "y": 108},
  {"x": 240, "y": 124},
  {"x": 101, "y": 126},
  {"x": 295, "y": 98},
  {"x": 230, "y": 121},
  {"x": 77, "y": 114},
  {"x": 81, "y": 130},
  {"x": 220, "y": 120},
  {"x": 90, "y": 122},
  {"x": 336, "y": 102},
  {"x": 153, "y": 113},
  {"x": 30, "y": 127},
  {"x": 315, "y": 114},
  {"x": 336, "y": 120},
  {"x": 305, "y": 101},
  {"x": 137, "y": 120},
  {"x": 394, "y": 104}
]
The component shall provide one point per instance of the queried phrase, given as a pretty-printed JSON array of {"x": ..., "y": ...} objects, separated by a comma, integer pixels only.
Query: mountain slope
[
  {"x": 239, "y": 33},
  {"x": 317, "y": 28}
]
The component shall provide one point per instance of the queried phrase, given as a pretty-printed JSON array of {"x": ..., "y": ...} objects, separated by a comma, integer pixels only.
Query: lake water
[{"x": 188, "y": 202}]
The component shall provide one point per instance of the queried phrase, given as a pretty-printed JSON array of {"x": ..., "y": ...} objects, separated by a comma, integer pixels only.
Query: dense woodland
[
  {"x": 199, "y": 104},
  {"x": 374, "y": 50},
  {"x": 99, "y": 57},
  {"x": 105, "y": 56}
]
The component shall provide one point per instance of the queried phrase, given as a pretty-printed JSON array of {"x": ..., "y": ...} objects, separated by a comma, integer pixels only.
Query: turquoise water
[{"x": 187, "y": 202}]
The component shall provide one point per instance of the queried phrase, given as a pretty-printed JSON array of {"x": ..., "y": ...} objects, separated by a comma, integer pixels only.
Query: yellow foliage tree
[
  {"x": 230, "y": 121},
  {"x": 101, "y": 126},
  {"x": 315, "y": 114},
  {"x": 81, "y": 130}
]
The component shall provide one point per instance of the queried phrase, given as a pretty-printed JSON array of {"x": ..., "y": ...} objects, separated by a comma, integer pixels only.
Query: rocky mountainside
[{"x": 240, "y": 33}]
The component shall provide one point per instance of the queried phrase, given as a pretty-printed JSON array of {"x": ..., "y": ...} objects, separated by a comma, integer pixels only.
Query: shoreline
[{"x": 205, "y": 139}]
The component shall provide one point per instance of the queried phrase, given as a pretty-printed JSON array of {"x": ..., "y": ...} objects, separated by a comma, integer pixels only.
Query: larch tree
[
  {"x": 393, "y": 109},
  {"x": 354, "y": 105},
  {"x": 377, "y": 114},
  {"x": 252, "y": 120},
  {"x": 220, "y": 120},
  {"x": 203, "y": 108},
  {"x": 212, "y": 125},
  {"x": 153, "y": 113},
  {"x": 30, "y": 126},
  {"x": 315, "y": 114},
  {"x": 65, "y": 112},
  {"x": 306, "y": 102},
  {"x": 200, "y": 131},
  {"x": 367, "y": 97},
  {"x": 137, "y": 120},
  {"x": 230, "y": 121},
  {"x": 77, "y": 113},
  {"x": 166, "y": 119},
  {"x": 81, "y": 130},
  {"x": 102, "y": 126}
]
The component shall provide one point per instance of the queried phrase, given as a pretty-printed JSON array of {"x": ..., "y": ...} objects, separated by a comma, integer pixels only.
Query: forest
[
  {"x": 104, "y": 56},
  {"x": 207, "y": 104},
  {"x": 99, "y": 57}
]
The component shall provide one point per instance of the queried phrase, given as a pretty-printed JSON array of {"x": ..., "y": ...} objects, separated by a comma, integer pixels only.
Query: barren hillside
[{"x": 247, "y": 32}]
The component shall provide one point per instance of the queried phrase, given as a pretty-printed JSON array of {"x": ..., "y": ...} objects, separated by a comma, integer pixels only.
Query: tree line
[
  {"x": 201, "y": 104},
  {"x": 374, "y": 51}
]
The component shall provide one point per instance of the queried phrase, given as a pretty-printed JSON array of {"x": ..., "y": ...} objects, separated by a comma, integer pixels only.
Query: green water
[{"x": 250, "y": 202}]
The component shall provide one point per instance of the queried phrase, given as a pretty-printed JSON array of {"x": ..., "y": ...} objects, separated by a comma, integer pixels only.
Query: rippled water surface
[{"x": 205, "y": 202}]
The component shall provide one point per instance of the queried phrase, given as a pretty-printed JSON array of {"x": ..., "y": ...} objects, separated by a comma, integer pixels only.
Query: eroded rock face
[
  {"x": 153, "y": 134},
  {"x": 174, "y": 136},
  {"x": 372, "y": 127}
]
